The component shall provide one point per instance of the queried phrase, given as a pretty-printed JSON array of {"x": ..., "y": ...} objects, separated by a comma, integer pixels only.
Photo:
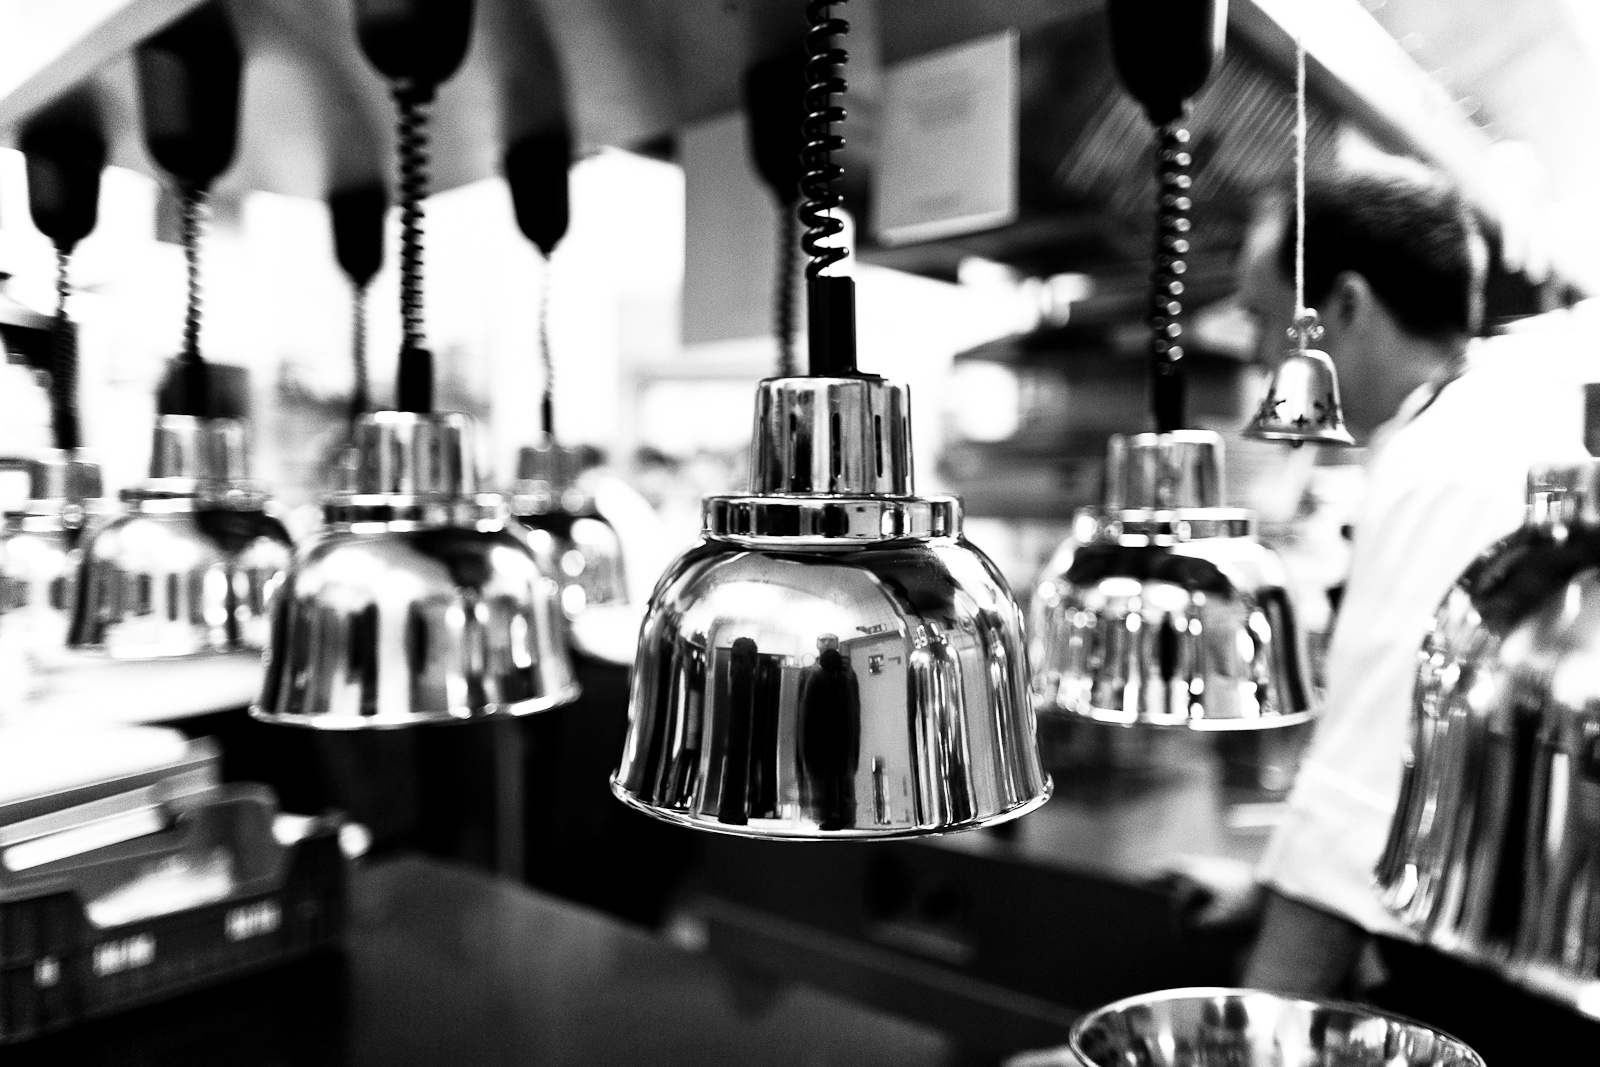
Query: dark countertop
[{"x": 448, "y": 966}]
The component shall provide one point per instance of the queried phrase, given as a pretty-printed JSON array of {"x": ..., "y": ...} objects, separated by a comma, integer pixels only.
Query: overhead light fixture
[
  {"x": 834, "y": 660},
  {"x": 190, "y": 564},
  {"x": 1163, "y": 609},
  {"x": 564, "y": 527},
  {"x": 418, "y": 602},
  {"x": 1490, "y": 856},
  {"x": 64, "y": 151}
]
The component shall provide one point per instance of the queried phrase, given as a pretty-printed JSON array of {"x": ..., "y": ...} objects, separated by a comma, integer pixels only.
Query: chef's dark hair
[{"x": 1412, "y": 236}]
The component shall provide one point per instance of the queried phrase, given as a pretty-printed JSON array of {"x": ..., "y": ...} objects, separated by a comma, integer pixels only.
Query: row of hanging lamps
[
  {"x": 191, "y": 563},
  {"x": 1491, "y": 853},
  {"x": 833, "y": 660},
  {"x": 564, "y": 527},
  {"x": 1163, "y": 609},
  {"x": 64, "y": 152},
  {"x": 418, "y": 602}
]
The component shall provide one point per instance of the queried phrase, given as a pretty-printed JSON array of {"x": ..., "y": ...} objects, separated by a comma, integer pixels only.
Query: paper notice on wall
[{"x": 948, "y": 162}]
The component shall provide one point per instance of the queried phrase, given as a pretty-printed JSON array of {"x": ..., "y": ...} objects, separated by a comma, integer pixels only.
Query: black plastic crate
[{"x": 286, "y": 900}]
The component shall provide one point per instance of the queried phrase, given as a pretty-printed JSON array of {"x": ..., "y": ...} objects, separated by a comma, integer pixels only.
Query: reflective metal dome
[
  {"x": 1492, "y": 853},
  {"x": 564, "y": 527},
  {"x": 38, "y": 564},
  {"x": 191, "y": 563},
  {"x": 418, "y": 602},
  {"x": 1163, "y": 609},
  {"x": 1251, "y": 1028},
  {"x": 834, "y": 660}
]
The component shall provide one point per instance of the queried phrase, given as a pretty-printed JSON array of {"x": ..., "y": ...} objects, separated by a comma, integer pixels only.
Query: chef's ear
[{"x": 1350, "y": 302}]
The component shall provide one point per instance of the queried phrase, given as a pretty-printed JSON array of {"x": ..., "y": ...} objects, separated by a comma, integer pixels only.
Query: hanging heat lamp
[
  {"x": 417, "y": 603},
  {"x": 564, "y": 527},
  {"x": 191, "y": 563},
  {"x": 1163, "y": 609},
  {"x": 1301, "y": 404},
  {"x": 64, "y": 151},
  {"x": 1491, "y": 852},
  {"x": 834, "y": 660}
]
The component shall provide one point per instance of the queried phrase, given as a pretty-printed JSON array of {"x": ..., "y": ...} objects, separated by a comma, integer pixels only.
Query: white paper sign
[{"x": 948, "y": 163}]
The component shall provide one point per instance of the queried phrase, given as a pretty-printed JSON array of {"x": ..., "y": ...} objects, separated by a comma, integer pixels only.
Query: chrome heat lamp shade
[
  {"x": 418, "y": 602},
  {"x": 1163, "y": 609},
  {"x": 1492, "y": 855},
  {"x": 191, "y": 564},
  {"x": 566, "y": 529},
  {"x": 1251, "y": 1028},
  {"x": 833, "y": 660},
  {"x": 38, "y": 542}
]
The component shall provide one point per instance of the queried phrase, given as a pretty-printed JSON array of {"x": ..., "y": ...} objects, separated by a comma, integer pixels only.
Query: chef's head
[{"x": 1394, "y": 265}]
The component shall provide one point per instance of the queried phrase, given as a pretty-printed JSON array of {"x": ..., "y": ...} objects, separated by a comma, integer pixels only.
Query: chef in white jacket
[{"x": 1395, "y": 265}]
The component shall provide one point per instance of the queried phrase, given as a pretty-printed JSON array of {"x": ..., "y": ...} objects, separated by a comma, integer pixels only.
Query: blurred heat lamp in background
[
  {"x": 418, "y": 602},
  {"x": 1163, "y": 610},
  {"x": 564, "y": 528},
  {"x": 191, "y": 563}
]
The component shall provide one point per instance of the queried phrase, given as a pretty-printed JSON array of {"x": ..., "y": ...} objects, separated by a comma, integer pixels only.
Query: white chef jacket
[{"x": 1446, "y": 480}]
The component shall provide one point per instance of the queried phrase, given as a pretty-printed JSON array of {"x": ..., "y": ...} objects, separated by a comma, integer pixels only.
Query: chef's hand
[{"x": 1212, "y": 893}]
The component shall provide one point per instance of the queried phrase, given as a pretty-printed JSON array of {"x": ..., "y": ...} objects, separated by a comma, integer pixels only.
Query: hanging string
[
  {"x": 1305, "y": 331},
  {"x": 547, "y": 363},
  {"x": 193, "y": 201}
]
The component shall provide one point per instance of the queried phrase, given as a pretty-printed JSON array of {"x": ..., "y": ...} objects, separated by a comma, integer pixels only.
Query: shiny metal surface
[
  {"x": 420, "y": 601},
  {"x": 38, "y": 541},
  {"x": 1249, "y": 1028},
  {"x": 1168, "y": 618},
  {"x": 800, "y": 680},
  {"x": 191, "y": 563},
  {"x": 565, "y": 530},
  {"x": 1492, "y": 854},
  {"x": 1302, "y": 403},
  {"x": 850, "y": 436}
]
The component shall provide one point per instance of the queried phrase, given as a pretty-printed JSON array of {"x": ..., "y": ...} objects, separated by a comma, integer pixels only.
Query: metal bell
[
  {"x": 834, "y": 659},
  {"x": 564, "y": 527},
  {"x": 1163, "y": 609},
  {"x": 1302, "y": 402},
  {"x": 418, "y": 602},
  {"x": 1491, "y": 855},
  {"x": 191, "y": 564}
]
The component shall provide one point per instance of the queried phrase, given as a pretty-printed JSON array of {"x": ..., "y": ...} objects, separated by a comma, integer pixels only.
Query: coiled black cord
[
  {"x": 783, "y": 307},
  {"x": 361, "y": 390},
  {"x": 415, "y": 391},
  {"x": 830, "y": 299},
  {"x": 64, "y": 365},
  {"x": 823, "y": 80},
  {"x": 193, "y": 200},
  {"x": 547, "y": 363},
  {"x": 1174, "y": 202}
]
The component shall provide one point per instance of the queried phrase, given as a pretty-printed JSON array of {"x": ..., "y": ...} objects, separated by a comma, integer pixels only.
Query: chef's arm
[{"x": 1302, "y": 950}]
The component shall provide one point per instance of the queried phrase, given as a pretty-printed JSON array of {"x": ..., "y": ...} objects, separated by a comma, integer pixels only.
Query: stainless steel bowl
[{"x": 1250, "y": 1028}]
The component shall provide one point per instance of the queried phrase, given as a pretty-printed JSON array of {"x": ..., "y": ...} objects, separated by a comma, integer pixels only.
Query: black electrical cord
[
  {"x": 65, "y": 430},
  {"x": 547, "y": 398},
  {"x": 830, "y": 299},
  {"x": 415, "y": 386},
  {"x": 1173, "y": 204},
  {"x": 783, "y": 304},
  {"x": 194, "y": 385},
  {"x": 361, "y": 388}
]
